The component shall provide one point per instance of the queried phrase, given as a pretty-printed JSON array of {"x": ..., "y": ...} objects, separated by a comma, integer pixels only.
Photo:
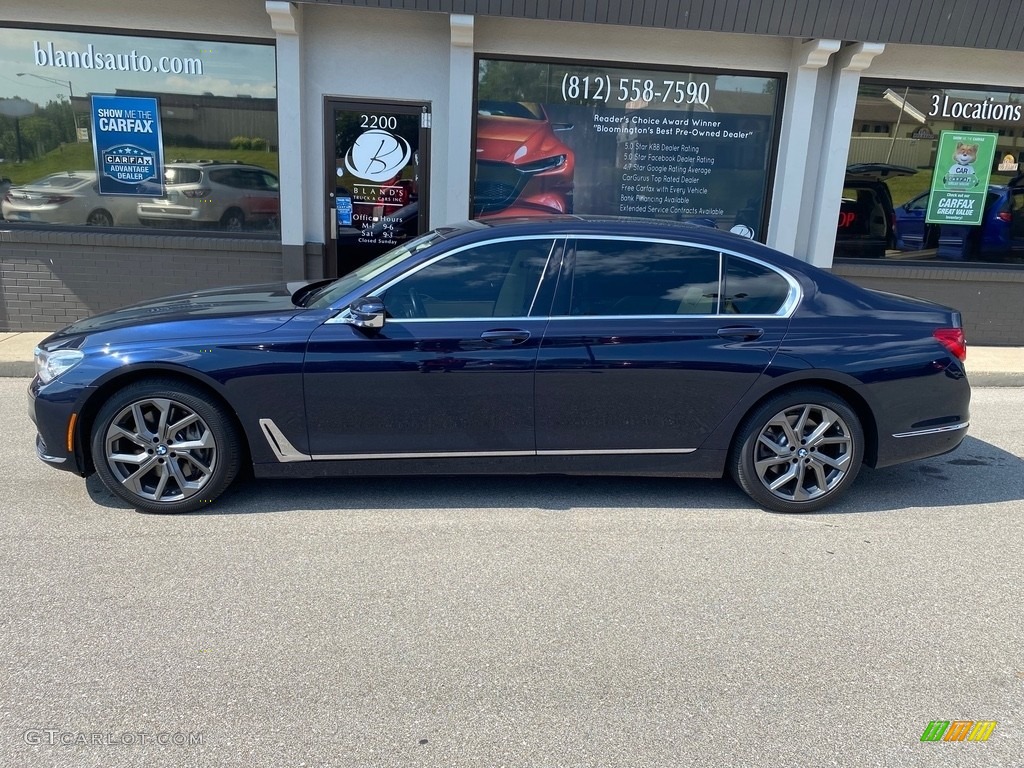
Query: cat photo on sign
[{"x": 964, "y": 157}]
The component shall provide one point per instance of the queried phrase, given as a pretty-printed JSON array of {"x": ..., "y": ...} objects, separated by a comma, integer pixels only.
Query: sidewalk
[{"x": 986, "y": 366}]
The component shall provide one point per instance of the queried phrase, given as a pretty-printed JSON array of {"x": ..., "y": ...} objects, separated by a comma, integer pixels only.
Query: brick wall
[
  {"x": 991, "y": 300},
  {"x": 51, "y": 278}
]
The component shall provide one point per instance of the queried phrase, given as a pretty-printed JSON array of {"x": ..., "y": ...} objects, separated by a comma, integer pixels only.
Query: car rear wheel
[
  {"x": 100, "y": 218},
  {"x": 163, "y": 446},
  {"x": 232, "y": 220},
  {"x": 798, "y": 451}
]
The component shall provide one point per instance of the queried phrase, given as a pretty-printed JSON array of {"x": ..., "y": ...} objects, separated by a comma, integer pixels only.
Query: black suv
[{"x": 866, "y": 219}]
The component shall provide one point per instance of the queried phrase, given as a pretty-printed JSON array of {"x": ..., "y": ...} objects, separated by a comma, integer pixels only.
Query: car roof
[
  {"x": 618, "y": 226},
  {"x": 877, "y": 171}
]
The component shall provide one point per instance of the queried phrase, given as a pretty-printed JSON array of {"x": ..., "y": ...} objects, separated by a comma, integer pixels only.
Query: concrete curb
[{"x": 17, "y": 369}]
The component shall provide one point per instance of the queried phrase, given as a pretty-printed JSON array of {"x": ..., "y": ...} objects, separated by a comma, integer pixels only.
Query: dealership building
[{"x": 151, "y": 149}]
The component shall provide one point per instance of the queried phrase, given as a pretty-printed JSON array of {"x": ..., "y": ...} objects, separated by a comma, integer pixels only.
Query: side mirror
[{"x": 367, "y": 312}]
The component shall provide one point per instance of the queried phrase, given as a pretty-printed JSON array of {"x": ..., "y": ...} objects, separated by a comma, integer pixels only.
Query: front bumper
[{"x": 53, "y": 413}]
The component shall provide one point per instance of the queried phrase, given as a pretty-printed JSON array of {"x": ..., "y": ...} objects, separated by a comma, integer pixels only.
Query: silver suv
[{"x": 204, "y": 193}]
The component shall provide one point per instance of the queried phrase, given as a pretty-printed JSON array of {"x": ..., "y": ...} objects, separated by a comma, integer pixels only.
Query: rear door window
[
  {"x": 752, "y": 288},
  {"x": 637, "y": 278}
]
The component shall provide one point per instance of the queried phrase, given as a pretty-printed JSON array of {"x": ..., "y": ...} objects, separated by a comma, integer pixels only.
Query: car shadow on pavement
[{"x": 976, "y": 473}]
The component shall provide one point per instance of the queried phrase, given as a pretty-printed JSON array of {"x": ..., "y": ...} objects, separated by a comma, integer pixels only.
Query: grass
[
  {"x": 79, "y": 157},
  {"x": 904, "y": 188}
]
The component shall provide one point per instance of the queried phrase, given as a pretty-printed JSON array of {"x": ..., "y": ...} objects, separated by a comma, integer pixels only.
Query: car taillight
[
  {"x": 193, "y": 193},
  {"x": 1005, "y": 216},
  {"x": 953, "y": 340},
  {"x": 56, "y": 199}
]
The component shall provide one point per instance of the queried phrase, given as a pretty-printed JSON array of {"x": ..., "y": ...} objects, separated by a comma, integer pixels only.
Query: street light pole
[{"x": 66, "y": 84}]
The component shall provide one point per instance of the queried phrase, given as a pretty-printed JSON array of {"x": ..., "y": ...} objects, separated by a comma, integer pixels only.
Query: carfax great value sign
[
  {"x": 128, "y": 145},
  {"x": 963, "y": 165}
]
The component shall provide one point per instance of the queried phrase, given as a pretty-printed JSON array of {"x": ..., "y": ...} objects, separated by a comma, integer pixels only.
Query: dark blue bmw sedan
[{"x": 554, "y": 345}]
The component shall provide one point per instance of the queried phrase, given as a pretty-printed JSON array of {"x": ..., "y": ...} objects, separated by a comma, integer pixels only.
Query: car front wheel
[
  {"x": 164, "y": 446},
  {"x": 798, "y": 451}
]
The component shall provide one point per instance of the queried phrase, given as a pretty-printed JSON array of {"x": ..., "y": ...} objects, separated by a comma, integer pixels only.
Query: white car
[{"x": 69, "y": 197}]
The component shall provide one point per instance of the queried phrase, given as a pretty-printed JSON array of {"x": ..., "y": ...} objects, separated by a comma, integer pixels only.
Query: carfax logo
[
  {"x": 958, "y": 730},
  {"x": 129, "y": 164}
]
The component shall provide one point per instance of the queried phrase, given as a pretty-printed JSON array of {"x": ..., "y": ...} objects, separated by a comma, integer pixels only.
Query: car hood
[
  {"x": 241, "y": 310},
  {"x": 499, "y": 139}
]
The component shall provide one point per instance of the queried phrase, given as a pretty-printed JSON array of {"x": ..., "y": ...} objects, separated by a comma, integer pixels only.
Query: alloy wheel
[
  {"x": 803, "y": 452},
  {"x": 161, "y": 450}
]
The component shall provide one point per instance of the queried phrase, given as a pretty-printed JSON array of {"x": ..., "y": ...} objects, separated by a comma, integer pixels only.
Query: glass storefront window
[
  {"x": 137, "y": 132},
  {"x": 563, "y": 137},
  {"x": 894, "y": 155}
]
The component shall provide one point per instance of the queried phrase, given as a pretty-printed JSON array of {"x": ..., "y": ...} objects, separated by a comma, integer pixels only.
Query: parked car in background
[
  {"x": 557, "y": 345},
  {"x": 999, "y": 237},
  {"x": 68, "y": 197},
  {"x": 866, "y": 220},
  {"x": 522, "y": 167},
  {"x": 231, "y": 196}
]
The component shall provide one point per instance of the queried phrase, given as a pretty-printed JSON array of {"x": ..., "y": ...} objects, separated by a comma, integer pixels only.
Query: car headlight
[
  {"x": 50, "y": 365},
  {"x": 547, "y": 164}
]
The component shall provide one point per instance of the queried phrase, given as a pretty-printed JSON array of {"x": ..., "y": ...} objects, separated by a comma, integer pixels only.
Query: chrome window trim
[
  {"x": 933, "y": 430},
  {"x": 785, "y": 311}
]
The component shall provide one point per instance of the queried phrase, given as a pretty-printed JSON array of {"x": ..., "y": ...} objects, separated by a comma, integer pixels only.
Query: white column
[
  {"x": 286, "y": 20},
  {"x": 797, "y": 117},
  {"x": 458, "y": 124},
  {"x": 842, "y": 101}
]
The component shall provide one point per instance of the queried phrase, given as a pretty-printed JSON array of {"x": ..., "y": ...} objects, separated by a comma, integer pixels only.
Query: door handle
[
  {"x": 505, "y": 337},
  {"x": 745, "y": 332}
]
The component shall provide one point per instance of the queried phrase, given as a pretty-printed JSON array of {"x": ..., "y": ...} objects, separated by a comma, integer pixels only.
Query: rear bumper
[{"x": 920, "y": 444}]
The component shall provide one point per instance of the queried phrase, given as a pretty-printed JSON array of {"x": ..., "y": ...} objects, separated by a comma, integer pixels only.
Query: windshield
[{"x": 331, "y": 292}]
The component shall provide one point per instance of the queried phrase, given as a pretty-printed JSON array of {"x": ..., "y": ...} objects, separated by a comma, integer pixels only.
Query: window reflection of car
[
  {"x": 999, "y": 237},
  {"x": 231, "y": 196},
  {"x": 522, "y": 167},
  {"x": 866, "y": 227},
  {"x": 69, "y": 197}
]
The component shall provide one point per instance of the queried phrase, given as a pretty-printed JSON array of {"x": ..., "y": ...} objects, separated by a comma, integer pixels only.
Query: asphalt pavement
[
  {"x": 550, "y": 622},
  {"x": 986, "y": 366}
]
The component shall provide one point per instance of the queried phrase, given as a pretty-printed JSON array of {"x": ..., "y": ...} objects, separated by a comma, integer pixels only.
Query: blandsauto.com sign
[{"x": 48, "y": 55}]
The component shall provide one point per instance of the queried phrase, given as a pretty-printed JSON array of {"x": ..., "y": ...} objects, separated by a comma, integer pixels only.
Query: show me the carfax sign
[
  {"x": 963, "y": 165},
  {"x": 128, "y": 145}
]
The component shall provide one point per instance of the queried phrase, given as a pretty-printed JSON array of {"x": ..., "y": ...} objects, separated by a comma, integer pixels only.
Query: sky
[{"x": 228, "y": 69}]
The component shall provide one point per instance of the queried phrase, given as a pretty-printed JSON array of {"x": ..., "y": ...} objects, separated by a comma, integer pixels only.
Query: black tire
[
  {"x": 100, "y": 218},
  {"x": 809, "y": 475},
  {"x": 233, "y": 220},
  {"x": 142, "y": 464}
]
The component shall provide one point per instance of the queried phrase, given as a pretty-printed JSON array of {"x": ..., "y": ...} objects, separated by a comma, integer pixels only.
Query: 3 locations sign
[
  {"x": 963, "y": 166},
  {"x": 558, "y": 137},
  {"x": 128, "y": 145}
]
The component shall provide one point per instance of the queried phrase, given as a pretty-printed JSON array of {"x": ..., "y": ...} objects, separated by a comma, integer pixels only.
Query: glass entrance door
[{"x": 377, "y": 179}]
